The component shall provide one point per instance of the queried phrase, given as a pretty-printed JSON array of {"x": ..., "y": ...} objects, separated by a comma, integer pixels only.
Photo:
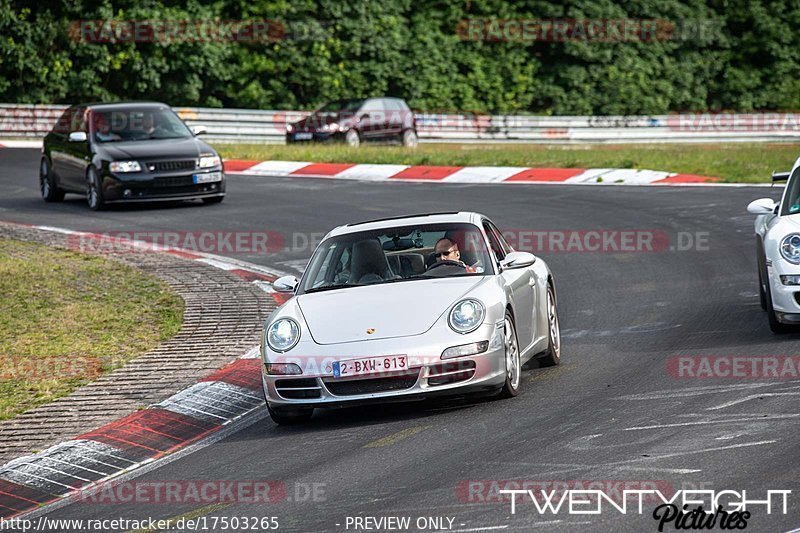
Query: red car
[{"x": 357, "y": 121}]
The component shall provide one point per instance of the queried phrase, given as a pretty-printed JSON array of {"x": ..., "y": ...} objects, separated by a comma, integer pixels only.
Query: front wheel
[
  {"x": 552, "y": 355},
  {"x": 410, "y": 139},
  {"x": 47, "y": 183},
  {"x": 775, "y": 325},
  {"x": 94, "y": 191},
  {"x": 286, "y": 416},
  {"x": 512, "y": 359}
]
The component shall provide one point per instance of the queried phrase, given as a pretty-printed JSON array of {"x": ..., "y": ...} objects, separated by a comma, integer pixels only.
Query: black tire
[
  {"x": 409, "y": 139},
  {"x": 214, "y": 200},
  {"x": 94, "y": 191},
  {"x": 552, "y": 355},
  {"x": 762, "y": 294},
  {"x": 352, "y": 138},
  {"x": 47, "y": 183},
  {"x": 774, "y": 324},
  {"x": 512, "y": 360},
  {"x": 289, "y": 416}
]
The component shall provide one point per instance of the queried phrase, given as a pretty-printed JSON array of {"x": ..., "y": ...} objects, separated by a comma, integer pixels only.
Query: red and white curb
[
  {"x": 442, "y": 174},
  {"x": 115, "y": 449},
  {"x": 21, "y": 144}
]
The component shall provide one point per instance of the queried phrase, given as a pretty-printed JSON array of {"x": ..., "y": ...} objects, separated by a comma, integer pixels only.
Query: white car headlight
[
  {"x": 466, "y": 315},
  {"x": 209, "y": 161},
  {"x": 333, "y": 127},
  {"x": 283, "y": 334},
  {"x": 125, "y": 166},
  {"x": 790, "y": 248}
]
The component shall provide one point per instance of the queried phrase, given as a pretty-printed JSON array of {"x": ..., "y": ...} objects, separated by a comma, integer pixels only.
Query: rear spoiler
[{"x": 780, "y": 176}]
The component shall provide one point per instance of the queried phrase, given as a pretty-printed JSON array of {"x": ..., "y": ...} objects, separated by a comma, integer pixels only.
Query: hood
[
  {"x": 398, "y": 309},
  {"x": 189, "y": 148}
]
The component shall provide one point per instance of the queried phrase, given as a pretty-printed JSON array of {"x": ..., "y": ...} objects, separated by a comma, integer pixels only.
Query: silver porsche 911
[{"x": 404, "y": 309}]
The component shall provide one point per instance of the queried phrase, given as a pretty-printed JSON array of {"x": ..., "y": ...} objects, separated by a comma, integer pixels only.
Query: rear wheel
[
  {"x": 352, "y": 138},
  {"x": 94, "y": 191},
  {"x": 512, "y": 359},
  {"x": 47, "y": 183},
  {"x": 552, "y": 355},
  {"x": 287, "y": 416}
]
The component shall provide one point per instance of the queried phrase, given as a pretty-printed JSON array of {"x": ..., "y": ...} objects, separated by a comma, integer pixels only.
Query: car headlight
[
  {"x": 283, "y": 334},
  {"x": 466, "y": 316},
  {"x": 333, "y": 127},
  {"x": 790, "y": 248},
  {"x": 125, "y": 166},
  {"x": 209, "y": 161},
  {"x": 289, "y": 128}
]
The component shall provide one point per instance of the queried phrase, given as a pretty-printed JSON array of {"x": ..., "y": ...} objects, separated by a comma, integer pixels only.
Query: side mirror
[
  {"x": 199, "y": 130},
  {"x": 762, "y": 206},
  {"x": 77, "y": 137},
  {"x": 518, "y": 260},
  {"x": 285, "y": 284}
]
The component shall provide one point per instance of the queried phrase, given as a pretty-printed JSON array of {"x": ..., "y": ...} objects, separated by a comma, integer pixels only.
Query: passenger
[{"x": 103, "y": 131}]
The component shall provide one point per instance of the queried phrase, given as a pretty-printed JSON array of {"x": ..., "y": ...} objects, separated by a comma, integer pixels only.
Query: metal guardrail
[{"x": 258, "y": 126}]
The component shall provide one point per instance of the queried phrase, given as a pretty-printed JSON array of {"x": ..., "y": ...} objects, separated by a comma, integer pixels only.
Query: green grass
[
  {"x": 66, "y": 318},
  {"x": 734, "y": 162}
]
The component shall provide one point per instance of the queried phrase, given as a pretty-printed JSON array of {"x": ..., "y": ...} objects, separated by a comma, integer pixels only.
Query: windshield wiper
[{"x": 329, "y": 288}]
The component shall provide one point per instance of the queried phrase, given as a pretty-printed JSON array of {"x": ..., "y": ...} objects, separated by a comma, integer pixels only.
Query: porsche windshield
[{"x": 397, "y": 254}]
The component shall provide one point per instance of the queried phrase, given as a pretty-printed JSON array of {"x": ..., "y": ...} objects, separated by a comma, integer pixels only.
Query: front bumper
[
  {"x": 428, "y": 376},
  {"x": 161, "y": 186}
]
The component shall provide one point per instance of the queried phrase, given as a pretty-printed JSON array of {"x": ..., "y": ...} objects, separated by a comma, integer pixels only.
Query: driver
[{"x": 447, "y": 250}]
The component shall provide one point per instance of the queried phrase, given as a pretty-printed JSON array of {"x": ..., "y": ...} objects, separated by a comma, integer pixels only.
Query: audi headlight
[
  {"x": 209, "y": 161},
  {"x": 790, "y": 248},
  {"x": 466, "y": 316},
  {"x": 125, "y": 166},
  {"x": 283, "y": 334}
]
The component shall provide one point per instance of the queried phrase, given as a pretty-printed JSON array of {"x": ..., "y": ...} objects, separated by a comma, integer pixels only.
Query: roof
[
  {"x": 128, "y": 104},
  {"x": 407, "y": 220}
]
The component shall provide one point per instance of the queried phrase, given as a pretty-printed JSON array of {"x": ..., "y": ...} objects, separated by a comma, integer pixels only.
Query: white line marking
[{"x": 751, "y": 397}]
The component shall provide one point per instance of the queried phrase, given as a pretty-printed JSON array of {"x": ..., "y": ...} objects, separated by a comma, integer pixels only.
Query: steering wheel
[{"x": 446, "y": 262}]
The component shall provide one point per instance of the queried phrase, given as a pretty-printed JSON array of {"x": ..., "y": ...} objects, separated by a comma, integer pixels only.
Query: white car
[
  {"x": 404, "y": 309},
  {"x": 777, "y": 229}
]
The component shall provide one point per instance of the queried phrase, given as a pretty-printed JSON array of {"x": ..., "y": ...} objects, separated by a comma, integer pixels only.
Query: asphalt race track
[{"x": 611, "y": 411}]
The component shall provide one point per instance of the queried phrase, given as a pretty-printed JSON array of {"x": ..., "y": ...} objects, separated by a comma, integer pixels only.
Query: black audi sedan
[
  {"x": 357, "y": 121},
  {"x": 128, "y": 152}
]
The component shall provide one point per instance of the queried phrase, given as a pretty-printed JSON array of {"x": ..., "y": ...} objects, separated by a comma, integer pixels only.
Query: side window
[
  {"x": 372, "y": 105},
  {"x": 494, "y": 242},
  {"x": 392, "y": 104},
  {"x": 507, "y": 249}
]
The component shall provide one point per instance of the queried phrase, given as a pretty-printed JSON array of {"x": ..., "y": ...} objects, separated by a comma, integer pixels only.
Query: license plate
[
  {"x": 369, "y": 365},
  {"x": 207, "y": 178},
  {"x": 303, "y": 136}
]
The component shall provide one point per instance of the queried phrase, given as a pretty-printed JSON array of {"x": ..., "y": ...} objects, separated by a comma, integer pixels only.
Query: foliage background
[{"x": 739, "y": 55}]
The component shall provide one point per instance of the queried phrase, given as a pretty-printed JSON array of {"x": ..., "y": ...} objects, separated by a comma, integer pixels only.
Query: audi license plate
[
  {"x": 369, "y": 365},
  {"x": 207, "y": 178}
]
